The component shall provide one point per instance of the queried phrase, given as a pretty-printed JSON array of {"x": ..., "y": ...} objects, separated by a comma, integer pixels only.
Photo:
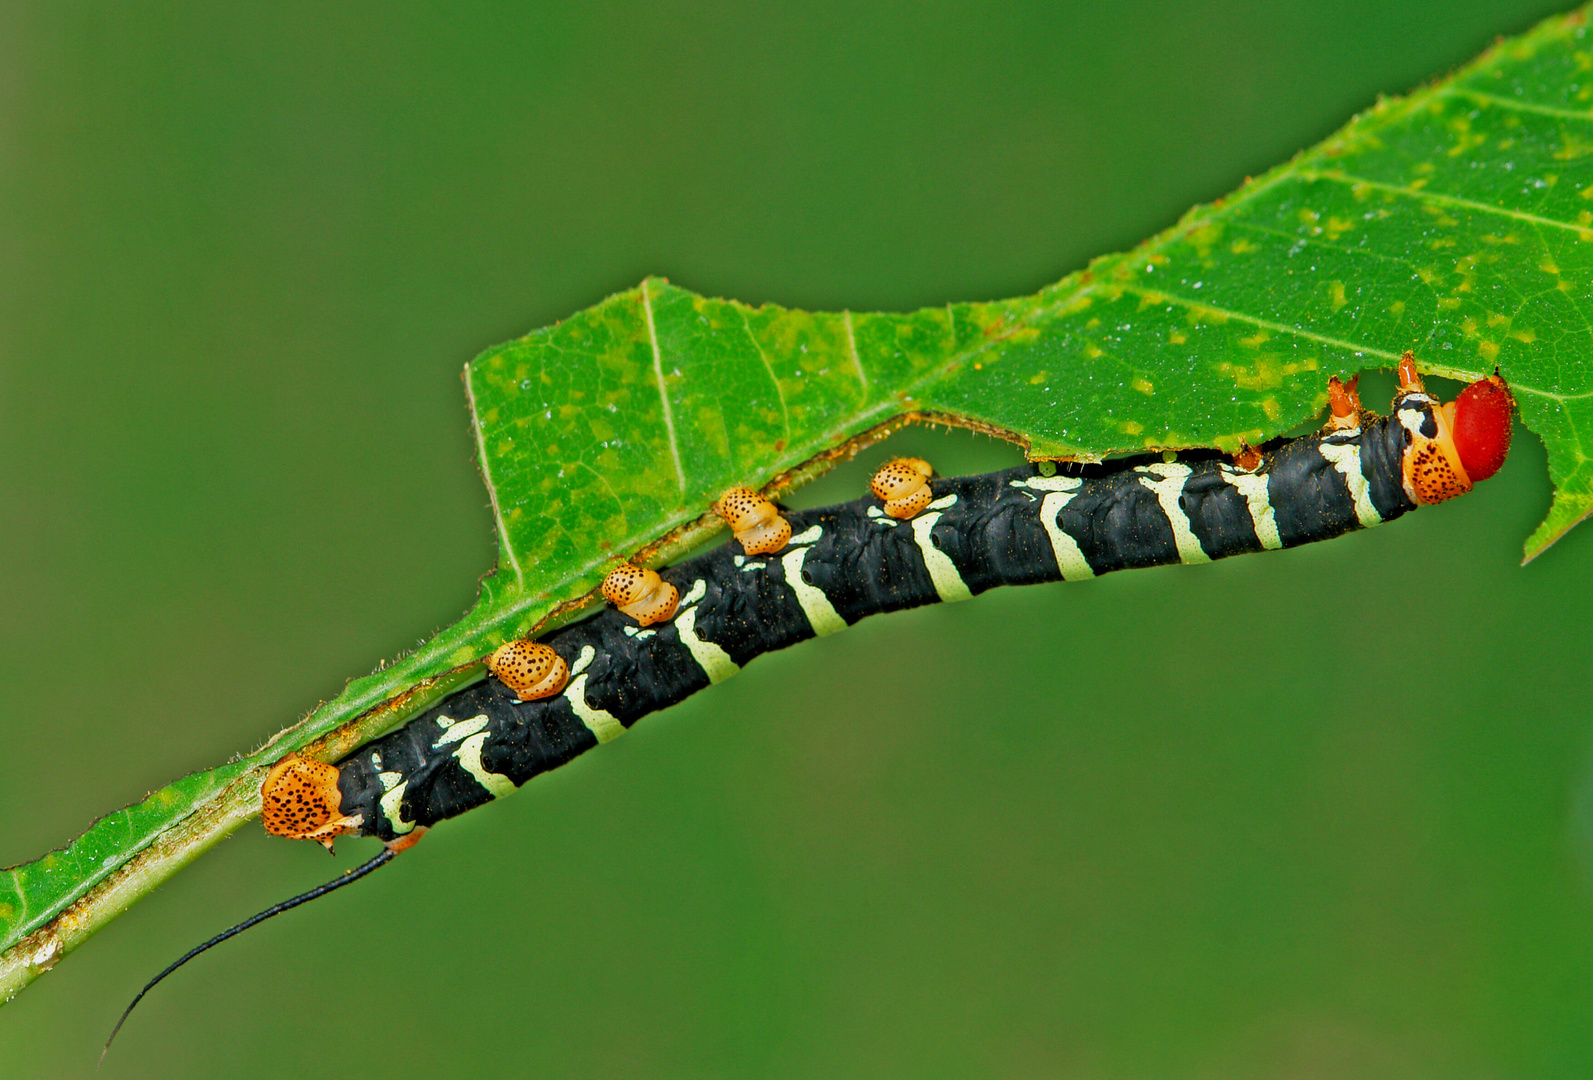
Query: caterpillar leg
[{"x": 903, "y": 486}]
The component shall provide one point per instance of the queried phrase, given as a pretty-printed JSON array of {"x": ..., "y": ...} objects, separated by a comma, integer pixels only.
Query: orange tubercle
[
  {"x": 754, "y": 519},
  {"x": 529, "y": 668},
  {"x": 1344, "y": 403},
  {"x": 300, "y": 799},
  {"x": 1408, "y": 377},
  {"x": 903, "y": 486},
  {"x": 640, "y": 593}
]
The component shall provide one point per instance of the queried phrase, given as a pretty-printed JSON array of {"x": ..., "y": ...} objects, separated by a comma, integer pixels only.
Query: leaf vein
[{"x": 663, "y": 394}]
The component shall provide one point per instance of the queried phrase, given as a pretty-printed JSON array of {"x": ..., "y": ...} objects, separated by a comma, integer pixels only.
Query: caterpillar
[{"x": 788, "y": 576}]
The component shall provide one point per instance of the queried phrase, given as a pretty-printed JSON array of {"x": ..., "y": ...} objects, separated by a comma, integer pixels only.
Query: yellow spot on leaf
[
  {"x": 1336, "y": 294},
  {"x": 1525, "y": 336},
  {"x": 1038, "y": 377},
  {"x": 1177, "y": 338},
  {"x": 1271, "y": 407},
  {"x": 1573, "y": 145},
  {"x": 1488, "y": 350},
  {"x": 1242, "y": 247},
  {"x": 1131, "y": 427},
  {"x": 1266, "y": 374},
  {"x": 1143, "y": 386},
  {"x": 1397, "y": 307},
  {"x": 1338, "y": 226},
  {"x": 1092, "y": 351},
  {"x": 1548, "y": 265},
  {"x": 1497, "y": 319},
  {"x": 1256, "y": 340}
]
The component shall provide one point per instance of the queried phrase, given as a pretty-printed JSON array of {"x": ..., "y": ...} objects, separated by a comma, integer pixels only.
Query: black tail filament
[{"x": 347, "y": 878}]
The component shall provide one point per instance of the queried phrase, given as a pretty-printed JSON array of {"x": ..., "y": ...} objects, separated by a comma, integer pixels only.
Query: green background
[{"x": 1323, "y": 813}]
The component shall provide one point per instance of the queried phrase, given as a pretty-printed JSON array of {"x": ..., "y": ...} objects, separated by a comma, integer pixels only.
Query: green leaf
[{"x": 1457, "y": 222}]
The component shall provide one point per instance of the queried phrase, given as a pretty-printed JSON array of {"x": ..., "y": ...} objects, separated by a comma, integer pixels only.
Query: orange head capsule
[
  {"x": 529, "y": 668},
  {"x": 300, "y": 800},
  {"x": 903, "y": 486},
  {"x": 755, "y": 520},
  {"x": 641, "y": 594},
  {"x": 1445, "y": 443}
]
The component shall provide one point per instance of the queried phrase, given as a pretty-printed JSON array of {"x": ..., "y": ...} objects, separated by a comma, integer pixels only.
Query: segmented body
[{"x": 843, "y": 563}]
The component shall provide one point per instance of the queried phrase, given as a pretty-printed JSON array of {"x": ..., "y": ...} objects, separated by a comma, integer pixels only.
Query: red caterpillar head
[
  {"x": 1479, "y": 420},
  {"x": 755, "y": 520},
  {"x": 529, "y": 668},
  {"x": 641, "y": 594},
  {"x": 1451, "y": 446},
  {"x": 300, "y": 800},
  {"x": 903, "y": 486}
]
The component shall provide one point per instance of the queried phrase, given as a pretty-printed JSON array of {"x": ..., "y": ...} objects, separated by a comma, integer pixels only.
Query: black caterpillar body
[{"x": 1019, "y": 526}]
